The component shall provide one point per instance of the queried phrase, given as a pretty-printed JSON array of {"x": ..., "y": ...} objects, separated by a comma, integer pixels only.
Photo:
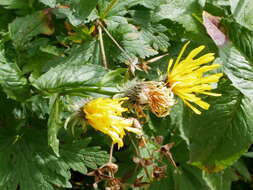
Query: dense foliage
[{"x": 55, "y": 55}]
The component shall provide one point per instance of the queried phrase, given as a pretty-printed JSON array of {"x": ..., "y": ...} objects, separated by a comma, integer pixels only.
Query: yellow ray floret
[
  {"x": 187, "y": 80},
  {"x": 105, "y": 115}
]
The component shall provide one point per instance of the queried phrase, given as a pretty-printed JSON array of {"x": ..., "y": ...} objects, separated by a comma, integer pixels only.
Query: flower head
[
  {"x": 105, "y": 115},
  {"x": 154, "y": 95},
  {"x": 187, "y": 80}
]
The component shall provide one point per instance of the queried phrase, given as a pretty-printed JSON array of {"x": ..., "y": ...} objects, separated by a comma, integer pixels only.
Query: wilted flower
[
  {"x": 186, "y": 77},
  {"x": 105, "y": 115},
  {"x": 153, "y": 94}
]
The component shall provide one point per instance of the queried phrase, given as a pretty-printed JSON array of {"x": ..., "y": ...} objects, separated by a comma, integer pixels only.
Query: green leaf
[
  {"x": 11, "y": 79},
  {"x": 14, "y": 4},
  {"x": 50, "y": 3},
  {"x": 212, "y": 136},
  {"x": 241, "y": 37},
  {"x": 132, "y": 41},
  {"x": 54, "y": 124},
  {"x": 180, "y": 11},
  {"x": 26, "y": 154},
  {"x": 77, "y": 11},
  {"x": 189, "y": 178},
  {"x": 238, "y": 69},
  {"x": 70, "y": 78},
  {"x": 23, "y": 29},
  {"x": 88, "y": 52},
  {"x": 222, "y": 180},
  {"x": 84, "y": 7},
  {"x": 242, "y": 12},
  {"x": 154, "y": 34},
  {"x": 242, "y": 170}
]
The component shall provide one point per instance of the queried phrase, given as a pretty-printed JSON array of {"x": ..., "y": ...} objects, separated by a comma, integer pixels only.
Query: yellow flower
[
  {"x": 105, "y": 115},
  {"x": 186, "y": 77}
]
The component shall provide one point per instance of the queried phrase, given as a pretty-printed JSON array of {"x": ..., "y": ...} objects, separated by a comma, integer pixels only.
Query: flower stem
[
  {"x": 111, "y": 152},
  {"x": 114, "y": 41},
  {"x": 102, "y": 46}
]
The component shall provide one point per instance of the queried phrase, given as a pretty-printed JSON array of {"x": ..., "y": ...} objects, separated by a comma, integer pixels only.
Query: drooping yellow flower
[
  {"x": 187, "y": 78},
  {"x": 105, "y": 115}
]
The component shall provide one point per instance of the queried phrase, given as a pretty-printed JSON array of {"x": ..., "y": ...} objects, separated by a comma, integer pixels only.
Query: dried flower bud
[
  {"x": 159, "y": 172},
  {"x": 154, "y": 95}
]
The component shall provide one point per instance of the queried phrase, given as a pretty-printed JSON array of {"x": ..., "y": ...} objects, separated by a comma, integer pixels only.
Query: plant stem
[
  {"x": 139, "y": 155},
  {"x": 102, "y": 46},
  {"x": 114, "y": 41},
  {"x": 78, "y": 91},
  {"x": 111, "y": 152}
]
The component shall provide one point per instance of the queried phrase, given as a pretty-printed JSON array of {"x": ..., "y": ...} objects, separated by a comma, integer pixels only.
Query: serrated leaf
[
  {"x": 84, "y": 7},
  {"x": 180, "y": 11},
  {"x": 242, "y": 12},
  {"x": 238, "y": 69},
  {"x": 77, "y": 11},
  {"x": 69, "y": 78},
  {"x": 88, "y": 52},
  {"x": 154, "y": 34},
  {"x": 11, "y": 79},
  {"x": 131, "y": 40},
  {"x": 213, "y": 138},
  {"x": 27, "y": 154},
  {"x": 23, "y": 29},
  {"x": 241, "y": 37}
]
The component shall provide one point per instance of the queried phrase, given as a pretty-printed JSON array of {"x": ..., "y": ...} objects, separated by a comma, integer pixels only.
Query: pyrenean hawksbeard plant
[{"x": 125, "y": 94}]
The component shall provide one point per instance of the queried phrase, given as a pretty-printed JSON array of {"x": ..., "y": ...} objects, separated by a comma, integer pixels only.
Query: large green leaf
[
  {"x": 70, "y": 78},
  {"x": 223, "y": 133},
  {"x": 26, "y": 160},
  {"x": 242, "y": 12},
  {"x": 236, "y": 66}
]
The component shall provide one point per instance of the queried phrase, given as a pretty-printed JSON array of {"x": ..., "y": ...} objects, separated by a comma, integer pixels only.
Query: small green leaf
[{"x": 54, "y": 124}]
